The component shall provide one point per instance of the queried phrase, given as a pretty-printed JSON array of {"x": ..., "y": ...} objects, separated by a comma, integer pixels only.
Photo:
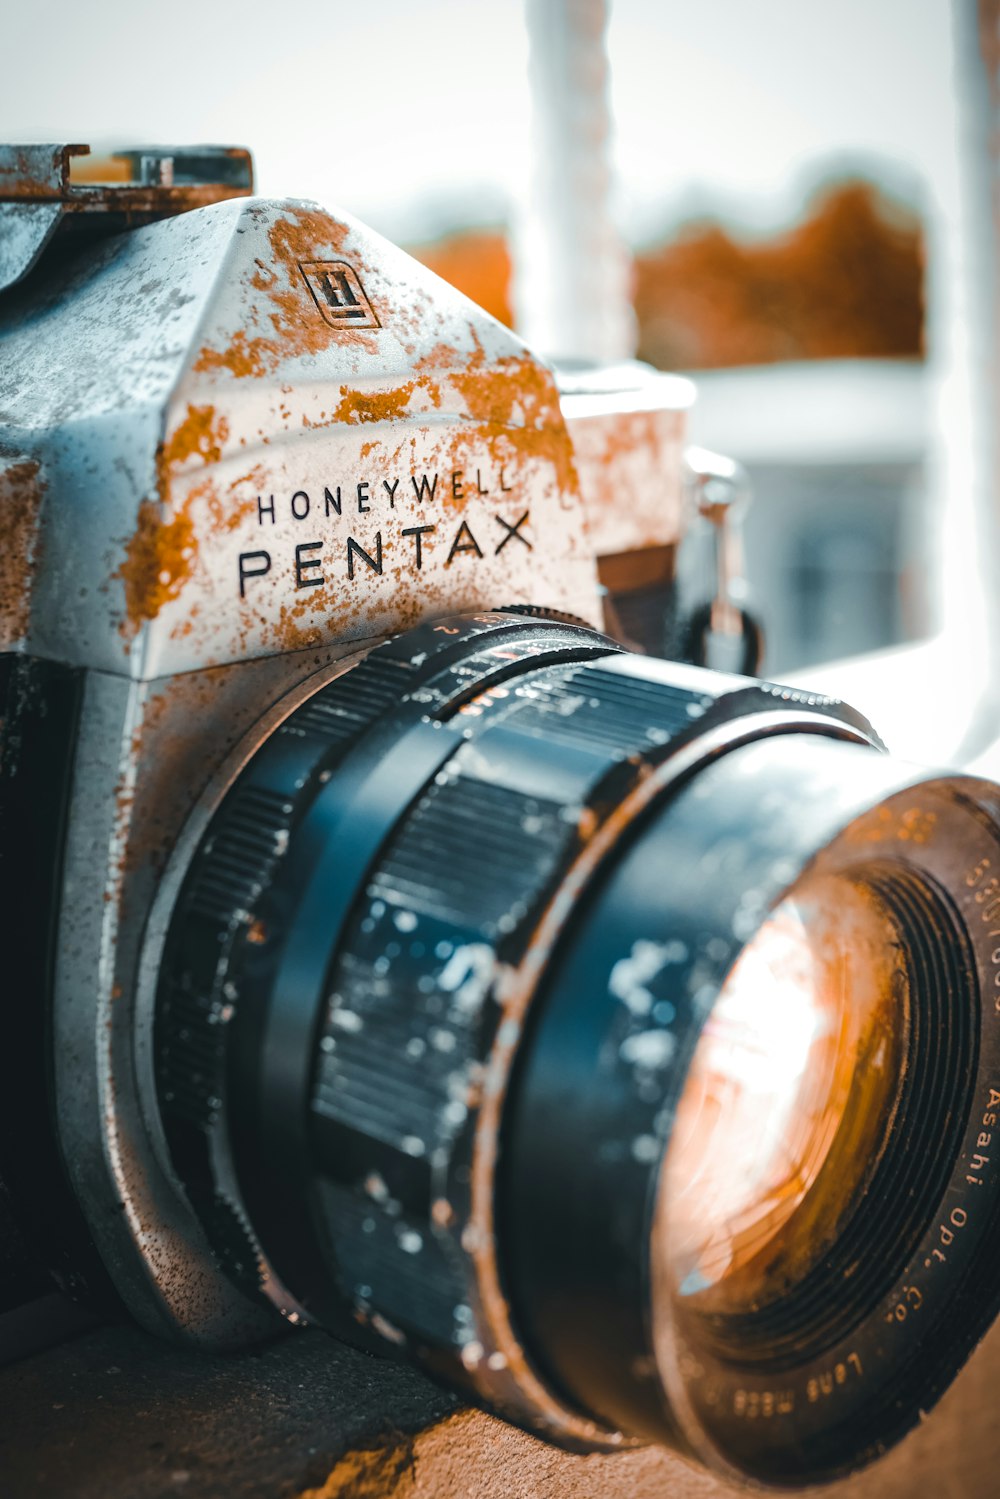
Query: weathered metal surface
[
  {"x": 628, "y": 425},
  {"x": 21, "y": 490},
  {"x": 47, "y": 190},
  {"x": 151, "y": 762},
  {"x": 25, "y": 230},
  {"x": 256, "y": 469},
  {"x": 36, "y": 170},
  {"x": 153, "y": 179}
]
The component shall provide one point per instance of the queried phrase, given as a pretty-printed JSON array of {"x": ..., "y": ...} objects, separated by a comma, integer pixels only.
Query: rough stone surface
[{"x": 117, "y": 1415}]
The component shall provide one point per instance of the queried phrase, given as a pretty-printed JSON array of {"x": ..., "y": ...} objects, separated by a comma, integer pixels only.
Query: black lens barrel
[
  {"x": 435, "y": 975},
  {"x": 599, "y": 1077}
]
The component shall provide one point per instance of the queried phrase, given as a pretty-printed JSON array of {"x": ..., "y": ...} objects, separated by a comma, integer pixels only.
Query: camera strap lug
[{"x": 723, "y": 633}]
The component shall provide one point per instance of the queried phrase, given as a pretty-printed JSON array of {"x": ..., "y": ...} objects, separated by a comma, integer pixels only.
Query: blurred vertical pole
[
  {"x": 963, "y": 334},
  {"x": 984, "y": 174},
  {"x": 572, "y": 279}
]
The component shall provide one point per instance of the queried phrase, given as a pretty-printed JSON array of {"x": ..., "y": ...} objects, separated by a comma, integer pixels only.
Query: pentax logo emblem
[{"x": 338, "y": 294}]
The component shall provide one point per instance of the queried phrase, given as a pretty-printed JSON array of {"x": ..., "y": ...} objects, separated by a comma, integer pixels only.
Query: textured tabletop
[{"x": 115, "y": 1414}]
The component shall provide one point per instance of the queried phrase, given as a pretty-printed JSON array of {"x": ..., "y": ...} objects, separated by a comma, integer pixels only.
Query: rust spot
[
  {"x": 297, "y": 328},
  {"x": 21, "y": 493},
  {"x": 243, "y": 357},
  {"x": 168, "y": 747},
  {"x": 159, "y": 559},
  {"x": 377, "y": 406},
  {"x": 632, "y": 431},
  {"x": 383, "y": 405},
  {"x": 637, "y": 453},
  {"x": 162, "y": 553},
  {"x": 515, "y": 404},
  {"x": 201, "y": 435}
]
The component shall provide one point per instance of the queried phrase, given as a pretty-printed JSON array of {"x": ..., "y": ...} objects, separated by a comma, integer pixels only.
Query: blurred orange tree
[
  {"x": 478, "y": 262},
  {"x": 845, "y": 282}
]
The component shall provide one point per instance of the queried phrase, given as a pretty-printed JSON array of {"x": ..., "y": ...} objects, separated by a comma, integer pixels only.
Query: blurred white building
[{"x": 838, "y": 537}]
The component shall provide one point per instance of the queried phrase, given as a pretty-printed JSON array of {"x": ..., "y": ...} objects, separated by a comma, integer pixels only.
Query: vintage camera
[{"x": 391, "y": 949}]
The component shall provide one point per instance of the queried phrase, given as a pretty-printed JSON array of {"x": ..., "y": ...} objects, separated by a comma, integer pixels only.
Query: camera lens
[
  {"x": 797, "y": 1071},
  {"x": 613, "y": 1036}
]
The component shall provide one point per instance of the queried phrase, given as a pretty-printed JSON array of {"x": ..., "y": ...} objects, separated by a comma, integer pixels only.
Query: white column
[
  {"x": 572, "y": 280},
  {"x": 962, "y": 337}
]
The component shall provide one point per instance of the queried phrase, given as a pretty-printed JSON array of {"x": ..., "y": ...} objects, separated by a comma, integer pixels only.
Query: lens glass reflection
[{"x": 789, "y": 1100}]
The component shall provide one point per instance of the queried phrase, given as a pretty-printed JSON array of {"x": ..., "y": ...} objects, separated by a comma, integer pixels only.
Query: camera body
[
  {"x": 237, "y": 446},
  {"x": 394, "y": 950}
]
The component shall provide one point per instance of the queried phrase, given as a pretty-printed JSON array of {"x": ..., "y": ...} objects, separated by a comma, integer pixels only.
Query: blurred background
[{"x": 787, "y": 182}]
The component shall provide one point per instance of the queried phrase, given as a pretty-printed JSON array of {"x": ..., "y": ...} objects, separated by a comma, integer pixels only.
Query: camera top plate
[{"x": 62, "y": 190}]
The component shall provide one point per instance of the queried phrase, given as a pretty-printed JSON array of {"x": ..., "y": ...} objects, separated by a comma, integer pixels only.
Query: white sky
[{"x": 411, "y": 113}]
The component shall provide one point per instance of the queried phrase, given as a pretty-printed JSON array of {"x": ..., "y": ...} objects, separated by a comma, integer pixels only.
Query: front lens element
[
  {"x": 789, "y": 1099},
  {"x": 762, "y": 1052}
]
